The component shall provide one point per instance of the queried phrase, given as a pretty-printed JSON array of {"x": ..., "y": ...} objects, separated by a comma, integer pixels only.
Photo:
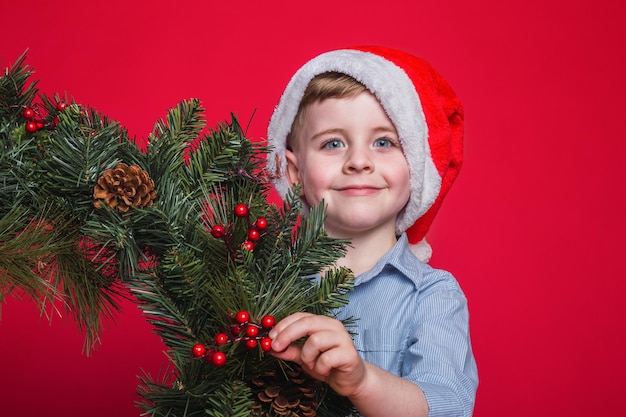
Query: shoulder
[
  {"x": 400, "y": 268},
  {"x": 424, "y": 277}
]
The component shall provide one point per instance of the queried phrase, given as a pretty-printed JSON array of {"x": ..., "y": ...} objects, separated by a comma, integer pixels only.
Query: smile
[{"x": 359, "y": 190}]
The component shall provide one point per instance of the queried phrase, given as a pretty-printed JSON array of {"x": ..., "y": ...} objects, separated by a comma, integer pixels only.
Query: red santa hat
[{"x": 426, "y": 113}]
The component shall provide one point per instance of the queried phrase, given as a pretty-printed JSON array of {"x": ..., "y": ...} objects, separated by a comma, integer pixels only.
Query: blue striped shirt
[{"x": 412, "y": 320}]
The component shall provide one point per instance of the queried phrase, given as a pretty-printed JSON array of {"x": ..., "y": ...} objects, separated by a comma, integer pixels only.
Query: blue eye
[
  {"x": 383, "y": 143},
  {"x": 333, "y": 144}
]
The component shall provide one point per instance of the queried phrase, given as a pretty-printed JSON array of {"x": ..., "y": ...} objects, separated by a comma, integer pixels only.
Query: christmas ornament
[
  {"x": 261, "y": 223},
  {"x": 221, "y": 338},
  {"x": 288, "y": 393},
  {"x": 242, "y": 317},
  {"x": 28, "y": 113},
  {"x": 218, "y": 358},
  {"x": 253, "y": 335},
  {"x": 252, "y": 331},
  {"x": 266, "y": 344},
  {"x": 31, "y": 127},
  {"x": 236, "y": 329},
  {"x": 254, "y": 234},
  {"x": 198, "y": 350},
  {"x": 268, "y": 322},
  {"x": 124, "y": 187},
  {"x": 183, "y": 255},
  {"x": 241, "y": 210},
  {"x": 218, "y": 231}
]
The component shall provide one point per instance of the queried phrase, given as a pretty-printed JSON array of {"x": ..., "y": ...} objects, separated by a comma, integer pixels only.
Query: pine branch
[
  {"x": 90, "y": 296},
  {"x": 231, "y": 399},
  {"x": 162, "y": 311},
  {"x": 169, "y": 139},
  {"x": 312, "y": 247},
  {"x": 14, "y": 94},
  {"x": 27, "y": 247},
  {"x": 78, "y": 150},
  {"x": 187, "y": 228}
]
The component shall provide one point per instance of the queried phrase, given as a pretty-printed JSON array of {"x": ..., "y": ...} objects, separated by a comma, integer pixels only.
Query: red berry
[
  {"x": 251, "y": 343},
  {"x": 261, "y": 223},
  {"x": 61, "y": 106},
  {"x": 266, "y": 344},
  {"x": 248, "y": 245},
  {"x": 39, "y": 124},
  {"x": 28, "y": 113},
  {"x": 198, "y": 350},
  {"x": 31, "y": 127},
  {"x": 268, "y": 322},
  {"x": 55, "y": 121},
  {"x": 252, "y": 331},
  {"x": 235, "y": 329},
  {"x": 241, "y": 210},
  {"x": 254, "y": 234},
  {"x": 221, "y": 338},
  {"x": 217, "y": 231},
  {"x": 242, "y": 317},
  {"x": 219, "y": 358}
]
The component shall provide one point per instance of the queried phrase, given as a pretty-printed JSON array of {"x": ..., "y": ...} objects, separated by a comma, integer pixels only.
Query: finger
[
  {"x": 291, "y": 329},
  {"x": 301, "y": 325},
  {"x": 286, "y": 322},
  {"x": 336, "y": 360},
  {"x": 292, "y": 354},
  {"x": 317, "y": 344},
  {"x": 328, "y": 349}
]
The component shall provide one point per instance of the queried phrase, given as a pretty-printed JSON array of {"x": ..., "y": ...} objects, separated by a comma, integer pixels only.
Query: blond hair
[{"x": 321, "y": 87}]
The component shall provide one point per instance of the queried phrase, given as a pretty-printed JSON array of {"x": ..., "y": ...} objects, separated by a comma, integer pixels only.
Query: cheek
[
  {"x": 314, "y": 182},
  {"x": 402, "y": 180}
]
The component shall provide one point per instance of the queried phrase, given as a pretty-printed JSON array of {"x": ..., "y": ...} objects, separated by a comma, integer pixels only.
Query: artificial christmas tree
[{"x": 187, "y": 226}]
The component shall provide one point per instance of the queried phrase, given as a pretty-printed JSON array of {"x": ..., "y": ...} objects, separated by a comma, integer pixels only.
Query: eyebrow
[
  {"x": 380, "y": 129},
  {"x": 326, "y": 132}
]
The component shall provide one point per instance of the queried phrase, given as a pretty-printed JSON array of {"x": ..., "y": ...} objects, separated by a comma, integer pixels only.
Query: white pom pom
[{"x": 422, "y": 250}]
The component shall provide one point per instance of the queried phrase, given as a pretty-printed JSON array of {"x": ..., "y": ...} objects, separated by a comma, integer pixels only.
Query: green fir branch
[
  {"x": 165, "y": 156},
  {"x": 82, "y": 146},
  {"x": 28, "y": 245},
  {"x": 188, "y": 280},
  {"x": 312, "y": 247},
  {"x": 14, "y": 92},
  {"x": 90, "y": 296},
  {"x": 231, "y": 400},
  {"x": 162, "y": 311}
]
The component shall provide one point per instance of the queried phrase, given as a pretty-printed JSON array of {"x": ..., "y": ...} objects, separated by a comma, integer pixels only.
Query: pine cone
[
  {"x": 290, "y": 394},
  {"x": 124, "y": 187}
]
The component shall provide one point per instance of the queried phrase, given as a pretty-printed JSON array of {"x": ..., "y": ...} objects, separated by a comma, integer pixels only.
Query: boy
[{"x": 376, "y": 134}]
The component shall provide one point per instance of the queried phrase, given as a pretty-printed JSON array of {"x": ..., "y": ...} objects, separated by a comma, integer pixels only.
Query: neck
[{"x": 364, "y": 251}]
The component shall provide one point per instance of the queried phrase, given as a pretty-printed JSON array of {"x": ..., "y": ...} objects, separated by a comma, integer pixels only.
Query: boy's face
[{"x": 347, "y": 152}]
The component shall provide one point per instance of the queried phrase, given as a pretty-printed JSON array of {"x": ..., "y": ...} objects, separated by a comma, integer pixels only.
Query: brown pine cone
[
  {"x": 124, "y": 187},
  {"x": 290, "y": 394}
]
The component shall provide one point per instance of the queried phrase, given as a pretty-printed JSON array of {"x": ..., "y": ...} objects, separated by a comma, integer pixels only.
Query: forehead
[{"x": 361, "y": 110}]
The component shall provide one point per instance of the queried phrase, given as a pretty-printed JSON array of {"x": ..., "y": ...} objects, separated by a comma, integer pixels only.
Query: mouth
[{"x": 358, "y": 190}]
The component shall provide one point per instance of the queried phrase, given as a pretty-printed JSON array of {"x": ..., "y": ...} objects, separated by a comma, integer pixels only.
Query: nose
[{"x": 358, "y": 159}]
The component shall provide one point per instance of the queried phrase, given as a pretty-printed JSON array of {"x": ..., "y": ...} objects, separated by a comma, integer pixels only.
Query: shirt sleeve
[{"x": 439, "y": 359}]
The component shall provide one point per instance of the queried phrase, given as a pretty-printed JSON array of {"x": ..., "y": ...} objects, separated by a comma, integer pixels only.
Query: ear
[{"x": 293, "y": 168}]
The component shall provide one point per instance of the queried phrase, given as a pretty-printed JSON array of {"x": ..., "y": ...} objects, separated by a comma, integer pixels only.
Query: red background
[{"x": 532, "y": 229}]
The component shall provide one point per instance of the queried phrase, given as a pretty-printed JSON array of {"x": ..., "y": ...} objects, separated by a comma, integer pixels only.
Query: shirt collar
[{"x": 401, "y": 259}]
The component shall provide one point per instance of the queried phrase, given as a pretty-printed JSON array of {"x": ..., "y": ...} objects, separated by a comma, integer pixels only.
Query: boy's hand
[{"x": 328, "y": 353}]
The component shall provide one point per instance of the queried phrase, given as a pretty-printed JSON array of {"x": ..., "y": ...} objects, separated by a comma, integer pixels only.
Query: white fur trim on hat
[
  {"x": 398, "y": 97},
  {"x": 422, "y": 250}
]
